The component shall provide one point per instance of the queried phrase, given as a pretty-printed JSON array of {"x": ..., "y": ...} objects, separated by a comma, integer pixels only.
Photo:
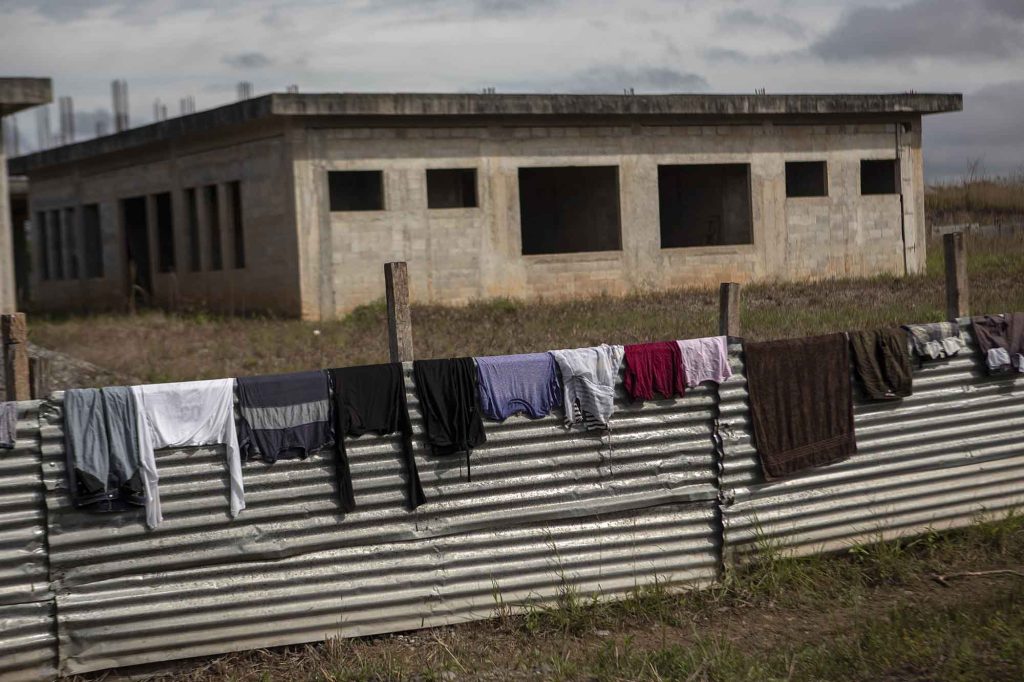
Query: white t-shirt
[
  {"x": 588, "y": 382},
  {"x": 186, "y": 414}
]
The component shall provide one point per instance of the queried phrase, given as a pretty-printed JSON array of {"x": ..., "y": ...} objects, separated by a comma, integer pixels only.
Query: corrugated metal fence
[
  {"x": 545, "y": 509},
  {"x": 28, "y": 643},
  {"x": 951, "y": 452}
]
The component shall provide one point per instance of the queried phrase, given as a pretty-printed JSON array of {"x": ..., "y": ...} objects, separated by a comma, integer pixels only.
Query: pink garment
[{"x": 705, "y": 359}]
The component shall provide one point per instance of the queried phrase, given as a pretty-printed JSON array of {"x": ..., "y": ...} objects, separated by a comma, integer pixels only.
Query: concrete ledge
[
  {"x": 421, "y": 104},
  {"x": 450, "y": 109},
  {"x": 21, "y": 93}
]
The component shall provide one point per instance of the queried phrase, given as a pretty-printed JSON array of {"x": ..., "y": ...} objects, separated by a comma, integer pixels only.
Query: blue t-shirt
[{"x": 510, "y": 384}]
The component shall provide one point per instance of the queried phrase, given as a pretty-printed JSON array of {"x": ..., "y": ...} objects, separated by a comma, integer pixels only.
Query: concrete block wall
[
  {"x": 269, "y": 280},
  {"x": 456, "y": 255}
]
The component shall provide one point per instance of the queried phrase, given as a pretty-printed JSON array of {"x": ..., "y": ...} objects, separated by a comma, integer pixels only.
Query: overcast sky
[{"x": 172, "y": 48}]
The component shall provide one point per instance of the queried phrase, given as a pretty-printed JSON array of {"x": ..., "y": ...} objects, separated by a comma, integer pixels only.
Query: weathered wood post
[
  {"x": 396, "y": 285},
  {"x": 39, "y": 377},
  {"x": 729, "y": 309},
  {"x": 14, "y": 330},
  {"x": 957, "y": 289}
]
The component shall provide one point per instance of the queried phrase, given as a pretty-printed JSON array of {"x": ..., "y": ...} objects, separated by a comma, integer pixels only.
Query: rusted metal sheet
[
  {"x": 28, "y": 645},
  {"x": 530, "y": 475},
  {"x": 938, "y": 459}
]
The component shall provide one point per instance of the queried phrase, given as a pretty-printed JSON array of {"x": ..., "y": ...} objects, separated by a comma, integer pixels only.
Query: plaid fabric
[{"x": 935, "y": 340}]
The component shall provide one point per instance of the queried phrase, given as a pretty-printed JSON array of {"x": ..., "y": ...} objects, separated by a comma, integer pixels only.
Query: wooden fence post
[
  {"x": 396, "y": 285},
  {"x": 14, "y": 331},
  {"x": 957, "y": 289},
  {"x": 729, "y": 309},
  {"x": 39, "y": 377}
]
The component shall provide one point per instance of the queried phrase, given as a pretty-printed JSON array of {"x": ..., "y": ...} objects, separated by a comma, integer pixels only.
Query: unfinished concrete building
[
  {"x": 15, "y": 94},
  {"x": 292, "y": 202}
]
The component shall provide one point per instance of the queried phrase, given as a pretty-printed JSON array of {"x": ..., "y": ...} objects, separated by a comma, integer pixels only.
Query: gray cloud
[
  {"x": 743, "y": 18},
  {"x": 609, "y": 79},
  {"x": 1011, "y": 8},
  {"x": 86, "y": 123},
  {"x": 988, "y": 128},
  {"x": 614, "y": 79},
  {"x": 723, "y": 54},
  {"x": 132, "y": 11},
  {"x": 58, "y": 10},
  {"x": 463, "y": 7},
  {"x": 247, "y": 60},
  {"x": 965, "y": 29}
]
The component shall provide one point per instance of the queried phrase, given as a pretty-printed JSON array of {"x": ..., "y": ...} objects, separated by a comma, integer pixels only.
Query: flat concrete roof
[
  {"x": 474, "y": 109},
  {"x": 21, "y": 93}
]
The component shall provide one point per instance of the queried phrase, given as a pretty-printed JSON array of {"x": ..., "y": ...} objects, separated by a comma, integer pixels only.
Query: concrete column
[
  {"x": 15, "y": 94},
  {"x": 7, "y": 302}
]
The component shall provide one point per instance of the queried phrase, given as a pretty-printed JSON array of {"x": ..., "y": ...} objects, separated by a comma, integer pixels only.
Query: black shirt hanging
[
  {"x": 449, "y": 400},
  {"x": 371, "y": 399}
]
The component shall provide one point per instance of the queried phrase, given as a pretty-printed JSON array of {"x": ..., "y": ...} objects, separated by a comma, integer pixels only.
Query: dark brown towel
[
  {"x": 1002, "y": 333},
  {"x": 881, "y": 361},
  {"x": 800, "y": 402}
]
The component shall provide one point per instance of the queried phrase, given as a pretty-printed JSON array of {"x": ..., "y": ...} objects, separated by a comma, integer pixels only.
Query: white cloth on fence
[
  {"x": 186, "y": 414},
  {"x": 588, "y": 384}
]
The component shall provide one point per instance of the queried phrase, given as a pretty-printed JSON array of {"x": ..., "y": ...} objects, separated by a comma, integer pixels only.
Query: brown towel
[
  {"x": 800, "y": 402},
  {"x": 881, "y": 361}
]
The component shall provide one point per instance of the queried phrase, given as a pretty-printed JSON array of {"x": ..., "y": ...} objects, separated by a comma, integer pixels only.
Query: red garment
[{"x": 651, "y": 367}]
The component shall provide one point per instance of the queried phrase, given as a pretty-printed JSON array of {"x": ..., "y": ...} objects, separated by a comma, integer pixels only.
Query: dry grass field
[
  {"x": 158, "y": 346},
  {"x": 985, "y": 200}
]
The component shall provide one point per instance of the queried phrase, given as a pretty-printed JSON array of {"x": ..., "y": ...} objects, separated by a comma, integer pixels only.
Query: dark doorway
[
  {"x": 22, "y": 256},
  {"x": 704, "y": 205},
  {"x": 569, "y": 209},
  {"x": 136, "y": 242}
]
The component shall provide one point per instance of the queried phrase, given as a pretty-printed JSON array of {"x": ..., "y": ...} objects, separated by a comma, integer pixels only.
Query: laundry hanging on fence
[
  {"x": 514, "y": 384},
  {"x": 705, "y": 359},
  {"x": 371, "y": 399},
  {"x": 101, "y": 447},
  {"x": 881, "y": 362},
  {"x": 187, "y": 414},
  {"x": 8, "y": 424},
  {"x": 800, "y": 402},
  {"x": 936, "y": 340},
  {"x": 1001, "y": 341},
  {"x": 653, "y": 367},
  {"x": 588, "y": 384},
  {"x": 285, "y": 415},
  {"x": 448, "y": 393}
]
